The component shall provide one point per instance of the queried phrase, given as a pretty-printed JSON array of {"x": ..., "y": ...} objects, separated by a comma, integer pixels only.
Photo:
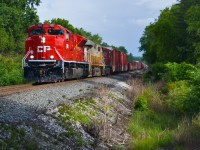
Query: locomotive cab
[{"x": 53, "y": 53}]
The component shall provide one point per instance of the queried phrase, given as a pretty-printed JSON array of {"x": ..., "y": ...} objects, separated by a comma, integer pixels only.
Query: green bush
[
  {"x": 158, "y": 70},
  {"x": 183, "y": 94},
  {"x": 177, "y": 72},
  {"x": 141, "y": 103},
  {"x": 11, "y": 72},
  {"x": 147, "y": 77},
  {"x": 193, "y": 102},
  {"x": 177, "y": 96}
]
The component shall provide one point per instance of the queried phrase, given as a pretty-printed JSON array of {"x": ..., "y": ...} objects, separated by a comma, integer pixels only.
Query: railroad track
[{"x": 8, "y": 90}]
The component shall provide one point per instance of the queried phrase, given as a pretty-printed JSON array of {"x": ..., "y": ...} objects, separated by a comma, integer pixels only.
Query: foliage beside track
[
  {"x": 162, "y": 118},
  {"x": 11, "y": 72},
  {"x": 168, "y": 116}
]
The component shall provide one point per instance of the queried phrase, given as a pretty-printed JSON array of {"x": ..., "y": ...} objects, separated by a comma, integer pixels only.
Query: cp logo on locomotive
[{"x": 41, "y": 49}]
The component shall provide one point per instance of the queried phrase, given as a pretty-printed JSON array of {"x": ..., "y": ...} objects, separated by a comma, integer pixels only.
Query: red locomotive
[{"x": 53, "y": 53}]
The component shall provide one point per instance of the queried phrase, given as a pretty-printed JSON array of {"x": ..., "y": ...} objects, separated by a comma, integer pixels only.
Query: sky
[{"x": 118, "y": 22}]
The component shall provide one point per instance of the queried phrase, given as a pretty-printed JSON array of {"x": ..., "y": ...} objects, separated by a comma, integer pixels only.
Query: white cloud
[
  {"x": 155, "y": 4},
  {"x": 142, "y": 22}
]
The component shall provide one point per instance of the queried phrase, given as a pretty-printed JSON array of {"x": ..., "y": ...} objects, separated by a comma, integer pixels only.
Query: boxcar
[
  {"x": 115, "y": 60},
  {"x": 107, "y": 60}
]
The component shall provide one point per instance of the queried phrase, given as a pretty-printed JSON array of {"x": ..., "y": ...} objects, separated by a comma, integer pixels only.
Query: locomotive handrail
[
  {"x": 24, "y": 58},
  {"x": 58, "y": 54},
  {"x": 61, "y": 59}
]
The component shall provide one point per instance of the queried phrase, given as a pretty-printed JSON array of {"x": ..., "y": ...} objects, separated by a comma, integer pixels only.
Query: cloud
[
  {"x": 142, "y": 22},
  {"x": 155, "y": 4}
]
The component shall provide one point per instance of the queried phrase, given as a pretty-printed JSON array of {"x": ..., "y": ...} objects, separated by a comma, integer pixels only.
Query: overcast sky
[{"x": 118, "y": 22}]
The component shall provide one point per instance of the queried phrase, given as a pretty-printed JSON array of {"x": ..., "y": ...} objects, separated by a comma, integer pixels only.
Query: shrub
[
  {"x": 183, "y": 95},
  {"x": 11, "y": 72},
  {"x": 177, "y": 96},
  {"x": 193, "y": 102},
  {"x": 177, "y": 72},
  {"x": 158, "y": 70},
  {"x": 141, "y": 103}
]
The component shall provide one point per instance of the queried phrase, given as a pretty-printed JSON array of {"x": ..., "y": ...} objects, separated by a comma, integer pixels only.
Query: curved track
[{"x": 8, "y": 90}]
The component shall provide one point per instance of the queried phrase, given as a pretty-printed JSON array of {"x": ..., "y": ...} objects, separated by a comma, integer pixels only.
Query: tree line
[
  {"x": 174, "y": 36},
  {"x": 171, "y": 46}
]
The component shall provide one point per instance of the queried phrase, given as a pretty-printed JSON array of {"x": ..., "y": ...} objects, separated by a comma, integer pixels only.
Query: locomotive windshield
[
  {"x": 37, "y": 32},
  {"x": 55, "y": 32}
]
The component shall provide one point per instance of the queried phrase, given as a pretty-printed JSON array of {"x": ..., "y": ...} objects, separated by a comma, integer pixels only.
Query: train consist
[{"x": 53, "y": 53}]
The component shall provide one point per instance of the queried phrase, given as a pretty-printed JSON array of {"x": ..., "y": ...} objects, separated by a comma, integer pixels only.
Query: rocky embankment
[{"x": 88, "y": 114}]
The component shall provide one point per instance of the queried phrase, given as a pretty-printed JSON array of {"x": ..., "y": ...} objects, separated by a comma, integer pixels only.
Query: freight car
[
  {"x": 53, "y": 53},
  {"x": 136, "y": 65}
]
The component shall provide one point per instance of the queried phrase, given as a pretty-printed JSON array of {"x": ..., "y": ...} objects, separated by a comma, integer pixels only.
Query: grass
[
  {"x": 158, "y": 126},
  {"x": 151, "y": 129},
  {"x": 77, "y": 111},
  {"x": 16, "y": 139}
]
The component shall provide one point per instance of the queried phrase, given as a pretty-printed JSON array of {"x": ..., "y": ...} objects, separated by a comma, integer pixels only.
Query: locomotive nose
[{"x": 43, "y": 47}]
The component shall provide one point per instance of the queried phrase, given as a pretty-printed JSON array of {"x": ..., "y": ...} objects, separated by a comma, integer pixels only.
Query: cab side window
[{"x": 67, "y": 35}]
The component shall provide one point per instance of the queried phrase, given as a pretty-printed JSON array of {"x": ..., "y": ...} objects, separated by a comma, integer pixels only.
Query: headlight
[
  {"x": 31, "y": 57},
  {"x": 51, "y": 57}
]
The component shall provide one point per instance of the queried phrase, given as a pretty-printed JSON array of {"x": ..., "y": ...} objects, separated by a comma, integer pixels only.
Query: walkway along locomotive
[{"x": 53, "y": 53}]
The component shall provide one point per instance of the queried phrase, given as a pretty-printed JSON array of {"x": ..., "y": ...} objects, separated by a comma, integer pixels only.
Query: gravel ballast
[
  {"x": 24, "y": 106},
  {"x": 29, "y": 108}
]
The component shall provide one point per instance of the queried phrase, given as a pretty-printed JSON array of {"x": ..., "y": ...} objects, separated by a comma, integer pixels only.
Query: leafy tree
[
  {"x": 122, "y": 49},
  {"x": 130, "y": 57},
  {"x": 104, "y": 44},
  {"x": 137, "y": 58},
  {"x": 63, "y": 22},
  {"x": 16, "y": 16},
  {"x": 174, "y": 36},
  {"x": 193, "y": 21},
  {"x": 4, "y": 40},
  {"x": 96, "y": 39}
]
